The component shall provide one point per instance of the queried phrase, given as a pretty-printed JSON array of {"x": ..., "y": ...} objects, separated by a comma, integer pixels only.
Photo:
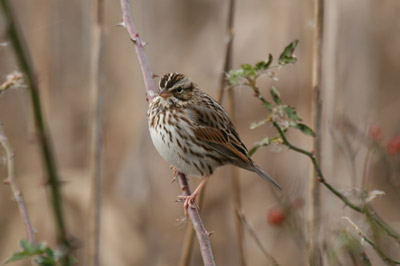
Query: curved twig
[
  {"x": 14, "y": 187},
  {"x": 194, "y": 215}
]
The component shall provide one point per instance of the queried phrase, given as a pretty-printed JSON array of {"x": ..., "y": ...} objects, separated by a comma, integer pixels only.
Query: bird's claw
[{"x": 189, "y": 201}]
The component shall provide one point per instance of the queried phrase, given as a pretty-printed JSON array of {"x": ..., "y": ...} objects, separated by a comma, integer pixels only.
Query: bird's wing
[{"x": 213, "y": 126}]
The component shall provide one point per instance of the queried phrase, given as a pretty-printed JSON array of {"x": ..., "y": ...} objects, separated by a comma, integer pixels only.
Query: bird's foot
[{"x": 189, "y": 201}]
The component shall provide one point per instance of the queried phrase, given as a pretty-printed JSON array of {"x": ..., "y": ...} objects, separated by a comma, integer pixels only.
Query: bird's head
[{"x": 176, "y": 89}]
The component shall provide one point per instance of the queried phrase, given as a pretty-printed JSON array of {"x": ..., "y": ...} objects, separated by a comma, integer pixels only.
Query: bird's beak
[{"x": 165, "y": 93}]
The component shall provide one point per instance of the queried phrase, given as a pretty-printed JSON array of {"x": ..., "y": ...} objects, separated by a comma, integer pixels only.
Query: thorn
[
  {"x": 144, "y": 43},
  {"x": 147, "y": 99},
  {"x": 122, "y": 24},
  {"x": 210, "y": 233},
  {"x": 155, "y": 76},
  {"x": 6, "y": 181}
]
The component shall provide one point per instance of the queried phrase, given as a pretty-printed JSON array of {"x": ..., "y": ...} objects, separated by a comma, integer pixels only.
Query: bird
[{"x": 194, "y": 134}]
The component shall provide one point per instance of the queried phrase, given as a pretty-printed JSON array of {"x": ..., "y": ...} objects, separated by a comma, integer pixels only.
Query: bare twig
[
  {"x": 249, "y": 228},
  {"x": 194, "y": 215},
  {"x": 363, "y": 236},
  {"x": 14, "y": 187},
  {"x": 96, "y": 151},
  {"x": 314, "y": 186},
  {"x": 13, "y": 80},
  {"x": 231, "y": 111},
  {"x": 23, "y": 59}
]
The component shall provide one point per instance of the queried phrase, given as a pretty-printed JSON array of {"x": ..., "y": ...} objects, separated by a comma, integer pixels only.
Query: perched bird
[{"x": 193, "y": 133}]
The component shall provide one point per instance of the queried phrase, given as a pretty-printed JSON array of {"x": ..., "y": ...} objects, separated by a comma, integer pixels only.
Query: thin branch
[
  {"x": 96, "y": 150},
  {"x": 14, "y": 79},
  {"x": 194, "y": 215},
  {"x": 201, "y": 232},
  {"x": 253, "y": 234},
  {"x": 369, "y": 213},
  {"x": 314, "y": 186},
  {"x": 231, "y": 111},
  {"x": 48, "y": 157},
  {"x": 14, "y": 187},
  {"x": 363, "y": 236},
  {"x": 127, "y": 23}
]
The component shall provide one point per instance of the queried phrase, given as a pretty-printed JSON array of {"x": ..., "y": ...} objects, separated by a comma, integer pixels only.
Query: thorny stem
[
  {"x": 194, "y": 215},
  {"x": 370, "y": 214},
  {"x": 14, "y": 187},
  {"x": 23, "y": 59},
  {"x": 381, "y": 254}
]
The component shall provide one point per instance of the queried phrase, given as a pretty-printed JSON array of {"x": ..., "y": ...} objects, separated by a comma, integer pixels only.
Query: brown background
[{"x": 142, "y": 225}]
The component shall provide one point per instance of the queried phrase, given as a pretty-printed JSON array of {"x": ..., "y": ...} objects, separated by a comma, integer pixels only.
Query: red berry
[
  {"x": 393, "y": 146},
  {"x": 276, "y": 216}
]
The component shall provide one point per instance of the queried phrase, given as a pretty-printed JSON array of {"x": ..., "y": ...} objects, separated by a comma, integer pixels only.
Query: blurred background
[{"x": 141, "y": 222}]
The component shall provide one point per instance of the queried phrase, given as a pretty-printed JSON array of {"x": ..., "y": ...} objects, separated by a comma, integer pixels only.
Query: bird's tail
[{"x": 264, "y": 175}]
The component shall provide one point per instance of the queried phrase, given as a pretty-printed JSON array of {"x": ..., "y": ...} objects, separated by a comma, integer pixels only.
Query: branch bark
[{"x": 194, "y": 215}]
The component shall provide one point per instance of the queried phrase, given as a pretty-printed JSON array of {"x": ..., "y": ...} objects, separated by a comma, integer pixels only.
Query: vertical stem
[
  {"x": 48, "y": 157},
  {"x": 96, "y": 149},
  {"x": 231, "y": 111},
  {"x": 14, "y": 187},
  {"x": 315, "y": 198}
]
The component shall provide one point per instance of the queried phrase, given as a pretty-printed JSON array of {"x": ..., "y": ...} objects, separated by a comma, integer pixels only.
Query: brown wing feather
[{"x": 215, "y": 136}]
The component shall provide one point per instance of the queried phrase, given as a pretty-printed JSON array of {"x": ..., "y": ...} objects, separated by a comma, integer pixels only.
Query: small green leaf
[
  {"x": 40, "y": 247},
  {"x": 245, "y": 66},
  {"x": 263, "y": 65},
  {"x": 275, "y": 95},
  {"x": 45, "y": 261},
  {"x": 287, "y": 56},
  {"x": 26, "y": 246},
  {"x": 292, "y": 113},
  {"x": 50, "y": 253},
  {"x": 235, "y": 75},
  {"x": 258, "y": 124},
  {"x": 305, "y": 129},
  {"x": 18, "y": 256},
  {"x": 268, "y": 105}
]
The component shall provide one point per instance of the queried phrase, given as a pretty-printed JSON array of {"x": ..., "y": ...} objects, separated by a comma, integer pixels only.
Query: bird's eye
[{"x": 179, "y": 90}]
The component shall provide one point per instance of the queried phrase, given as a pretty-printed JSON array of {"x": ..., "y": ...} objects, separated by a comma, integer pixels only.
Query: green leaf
[
  {"x": 258, "y": 124},
  {"x": 305, "y": 129},
  {"x": 292, "y": 113},
  {"x": 26, "y": 246},
  {"x": 45, "y": 261},
  {"x": 287, "y": 56},
  {"x": 235, "y": 75},
  {"x": 40, "y": 247},
  {"x": 268, "y": 105},
  {"x": 50, "y": 253},
  {"x": 275, "y": 95},
  {"x": 263, "y": 65},
  {"x": 18, "y": 256}
]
